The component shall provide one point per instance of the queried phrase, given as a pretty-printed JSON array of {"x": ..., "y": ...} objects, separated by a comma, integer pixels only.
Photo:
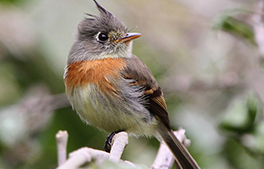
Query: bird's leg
[{"x": 108, "y": 141}]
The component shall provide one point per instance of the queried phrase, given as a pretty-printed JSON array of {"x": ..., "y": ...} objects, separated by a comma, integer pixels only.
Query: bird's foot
[{"x": 108, "y": 141}]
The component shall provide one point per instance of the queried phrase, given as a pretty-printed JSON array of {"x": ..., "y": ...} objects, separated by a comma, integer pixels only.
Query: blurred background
[{"x": 207, "y": 55}]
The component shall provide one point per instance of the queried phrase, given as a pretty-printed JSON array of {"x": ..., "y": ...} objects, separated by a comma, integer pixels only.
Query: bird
[{"x": 112, "y": 89}]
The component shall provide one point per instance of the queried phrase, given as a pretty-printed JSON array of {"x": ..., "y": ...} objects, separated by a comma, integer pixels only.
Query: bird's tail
[{"x": 181, "y": 154}]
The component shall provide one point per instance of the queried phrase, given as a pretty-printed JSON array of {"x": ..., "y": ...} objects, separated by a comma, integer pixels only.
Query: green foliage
[
  {"x": 236, "y": 28},
  {"x": 241, "y": 114},
  {"x": 7, "y": 1},
  {"x": 244, "y": 132}
]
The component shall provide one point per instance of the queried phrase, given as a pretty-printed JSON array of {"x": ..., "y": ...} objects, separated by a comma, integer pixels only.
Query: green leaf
[
  {"x": 241, "y": 114},
  {"x": 236, "y": 27}
]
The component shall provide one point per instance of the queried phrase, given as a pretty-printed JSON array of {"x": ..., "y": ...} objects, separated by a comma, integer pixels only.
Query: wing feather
[{"x": 152, "y": 94}]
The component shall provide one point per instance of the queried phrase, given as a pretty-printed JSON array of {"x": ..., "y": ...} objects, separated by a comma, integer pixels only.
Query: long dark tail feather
[{"x": 183, "y": 158}]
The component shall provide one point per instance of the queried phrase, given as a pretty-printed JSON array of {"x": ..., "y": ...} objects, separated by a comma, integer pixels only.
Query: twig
[
  {"x": 82, "y": 156},
  {"x": 86, "y": 155},
  {"x": 120, "y": 141},
  {"x": 62, "y": 139},
  {"x": 164, "y": 158}
]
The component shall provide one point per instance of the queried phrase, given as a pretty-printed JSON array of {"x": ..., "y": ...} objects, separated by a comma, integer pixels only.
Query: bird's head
[{"x": 102, "y": 36}]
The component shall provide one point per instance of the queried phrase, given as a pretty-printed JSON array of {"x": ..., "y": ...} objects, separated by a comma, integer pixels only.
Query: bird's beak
[{"x": 128, "y": 37}]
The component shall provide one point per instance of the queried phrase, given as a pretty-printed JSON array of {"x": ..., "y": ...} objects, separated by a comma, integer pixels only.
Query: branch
[
  {"x": 164, "y": 158},
  {"x": 86, "y": 155},
  {"x": 120, "y": 141},
  {"x": 62, "y": 139}
]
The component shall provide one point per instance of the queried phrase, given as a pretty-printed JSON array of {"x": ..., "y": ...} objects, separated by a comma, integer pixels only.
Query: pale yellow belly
[{"x": 111, "y": 114}]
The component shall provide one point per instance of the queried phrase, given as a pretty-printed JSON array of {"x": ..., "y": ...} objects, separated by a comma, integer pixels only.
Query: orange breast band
[{"x": 95, "y": 71}]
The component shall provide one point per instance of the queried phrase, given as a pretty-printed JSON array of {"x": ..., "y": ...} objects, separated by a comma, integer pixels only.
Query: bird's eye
[{"x": 102, "y": 37}]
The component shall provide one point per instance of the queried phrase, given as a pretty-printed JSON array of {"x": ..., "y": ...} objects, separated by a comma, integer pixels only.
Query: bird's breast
[
  {"x": 97, "y": 72},
  {"x": 91, "y": 89},
  {"x": 91, "y": 84}
]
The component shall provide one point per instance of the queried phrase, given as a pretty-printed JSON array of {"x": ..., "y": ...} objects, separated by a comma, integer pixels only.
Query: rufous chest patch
[{"x": 94, "y": 71}]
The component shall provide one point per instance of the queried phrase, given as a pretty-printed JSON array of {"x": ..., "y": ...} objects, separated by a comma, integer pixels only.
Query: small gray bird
[{"x": 114, "y": 90}]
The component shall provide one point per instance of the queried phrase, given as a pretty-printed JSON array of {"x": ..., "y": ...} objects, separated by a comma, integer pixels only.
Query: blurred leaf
[
  {"x": 238, "y": 157},
  {"x": 253, "y": 106},
  {"x": 236, "y": 27},
  {"x": 9, "y": 1},
  {"x": 259, "y": 138},
  {"x": 241, "y": 114}
]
